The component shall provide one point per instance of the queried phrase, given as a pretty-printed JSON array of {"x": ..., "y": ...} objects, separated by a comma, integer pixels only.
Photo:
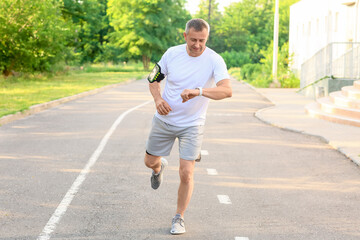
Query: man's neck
[{"x": 189, "y": 53}]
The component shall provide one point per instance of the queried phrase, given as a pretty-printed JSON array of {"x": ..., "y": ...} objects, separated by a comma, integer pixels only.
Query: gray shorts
[{"x": 163, "y": 135}]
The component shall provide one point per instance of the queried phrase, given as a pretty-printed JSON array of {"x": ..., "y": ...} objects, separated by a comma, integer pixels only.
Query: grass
[
  {"x": 259, "y": 79},
  {"x": 20, "y": 93}
]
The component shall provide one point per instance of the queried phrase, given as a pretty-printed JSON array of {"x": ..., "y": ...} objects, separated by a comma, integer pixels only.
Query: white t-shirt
[{"x": 186, "y": 72}]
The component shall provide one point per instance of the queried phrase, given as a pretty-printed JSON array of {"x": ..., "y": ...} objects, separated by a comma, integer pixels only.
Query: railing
[{"x": 339, "y": 60}]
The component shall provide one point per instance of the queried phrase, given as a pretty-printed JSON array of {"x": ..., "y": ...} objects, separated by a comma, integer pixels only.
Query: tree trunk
[
  {"x": 146, "y": 62},
  {"x": 6, "y": 72},
  {"x": 8, "y": 69}
]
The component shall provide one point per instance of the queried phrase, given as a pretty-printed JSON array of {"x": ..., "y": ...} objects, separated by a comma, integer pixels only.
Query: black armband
[{"x": 156, "y": 74}]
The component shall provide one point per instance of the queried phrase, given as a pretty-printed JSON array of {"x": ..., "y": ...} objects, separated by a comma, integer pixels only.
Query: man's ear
[{"x": 184, "y": 35}]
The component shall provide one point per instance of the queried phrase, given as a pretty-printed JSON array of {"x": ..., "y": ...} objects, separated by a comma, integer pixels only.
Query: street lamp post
[
  {"x": 276, "y": 43},
  {"x": 356, "y": 21}
]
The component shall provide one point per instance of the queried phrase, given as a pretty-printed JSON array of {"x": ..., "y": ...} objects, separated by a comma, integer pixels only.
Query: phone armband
[{"x": 155, "y": 75}]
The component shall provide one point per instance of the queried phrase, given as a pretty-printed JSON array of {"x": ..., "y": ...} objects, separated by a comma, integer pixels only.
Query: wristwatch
[{"x": 200, "y": 90}]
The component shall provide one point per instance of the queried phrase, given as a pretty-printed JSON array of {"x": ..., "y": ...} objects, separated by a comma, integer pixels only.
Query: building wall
[{"x": 316, "y": 23}]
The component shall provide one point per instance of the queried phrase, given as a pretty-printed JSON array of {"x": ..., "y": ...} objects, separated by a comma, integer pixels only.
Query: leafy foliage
[
  {"x": 90, "y": 26},
  {"x": 40, "y": 35},
  {"x": 260, "y": 74},
  {"x": 145, "y": 29},
  {"x": 214, "y": 19},
  {"x": 32, "y": 35},
  {"x": 235, "y": 59},
  {"x": 246, "y": 27}
]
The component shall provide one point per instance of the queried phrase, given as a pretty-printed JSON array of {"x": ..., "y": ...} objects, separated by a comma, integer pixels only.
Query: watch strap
[{"x": 200, "y": 90}]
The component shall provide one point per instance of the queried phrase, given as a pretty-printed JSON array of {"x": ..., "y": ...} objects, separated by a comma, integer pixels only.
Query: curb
[
  {"x": 43, "y": 106},
  {"x": 257, "y": 114}
]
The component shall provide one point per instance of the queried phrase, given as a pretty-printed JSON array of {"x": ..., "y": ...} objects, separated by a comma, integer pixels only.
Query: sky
[{"x": 192, "y": 5}]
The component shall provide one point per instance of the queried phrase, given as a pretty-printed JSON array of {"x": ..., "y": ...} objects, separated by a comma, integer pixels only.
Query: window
[
  {"x": 326, "y": 24},
  {"x": 317, "y": 26},
  {"x": 336, "y": 22},
  {"x": 297, "y": 31},
  {"x": 303, "y": 32}
]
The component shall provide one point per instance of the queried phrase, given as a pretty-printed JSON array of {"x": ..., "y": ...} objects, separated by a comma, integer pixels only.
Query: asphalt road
[{"x": 269, "y": 184}]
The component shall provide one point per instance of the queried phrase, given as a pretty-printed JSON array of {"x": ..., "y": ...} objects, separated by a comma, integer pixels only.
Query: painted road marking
[
  {"x": 212, "y": 171},
  {"x": 241, "y": 238},
  {"x": 224, "y": 199},
  {"x": 64, "y": 204},
  {"x": 204, "y": 152},
  {"x": 225, "y": 114}
]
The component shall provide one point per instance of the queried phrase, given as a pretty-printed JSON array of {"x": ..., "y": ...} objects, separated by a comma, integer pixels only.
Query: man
[{"x": 191, "y": 70}]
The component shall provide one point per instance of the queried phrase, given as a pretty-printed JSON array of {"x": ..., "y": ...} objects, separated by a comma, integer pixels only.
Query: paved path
[
  {"x": 289, "y": 113},
  {"x": 257, "y": 181}
]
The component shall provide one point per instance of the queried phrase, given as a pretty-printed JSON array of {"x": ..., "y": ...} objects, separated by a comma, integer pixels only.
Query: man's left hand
[{"x": 188, "y": 94}]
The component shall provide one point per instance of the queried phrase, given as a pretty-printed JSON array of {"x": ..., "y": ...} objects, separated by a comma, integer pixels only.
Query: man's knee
[
  {"x": 151, "y": 161},
  {"x": 186, "y": 173}
]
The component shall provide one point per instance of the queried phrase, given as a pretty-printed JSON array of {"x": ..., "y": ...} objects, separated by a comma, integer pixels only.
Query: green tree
[
  {"x": 32, "y": 35},
  {"x": 284, "y": 20},
  {"x": 90, "y": 25},
  {"x": 215, "y": 41},
  {"x": 233, "y": 31},
  {"x": 286, "y": 77},
  {"x": 247, "y": 27},
  {"x": 144, "y": 29},
  {"x": 260, "y": 74}
]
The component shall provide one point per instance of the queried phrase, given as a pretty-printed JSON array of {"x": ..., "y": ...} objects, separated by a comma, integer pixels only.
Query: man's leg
[
  {"x": 159, "y": 143},
  {"x": 186, "y": 172},
  {"x": 157, "y": 164},
  {"x": 153, "y": 162}
]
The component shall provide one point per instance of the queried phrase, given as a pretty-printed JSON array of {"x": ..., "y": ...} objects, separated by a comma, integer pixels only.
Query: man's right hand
[{"x": 162, "y": 106}]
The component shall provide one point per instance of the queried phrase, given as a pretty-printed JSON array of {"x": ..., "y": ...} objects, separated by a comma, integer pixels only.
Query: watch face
[{"x": 153, "y": 73}]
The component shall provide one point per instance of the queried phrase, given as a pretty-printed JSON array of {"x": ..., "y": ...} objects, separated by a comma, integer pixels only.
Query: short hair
[{"x": 198, "y": 24}]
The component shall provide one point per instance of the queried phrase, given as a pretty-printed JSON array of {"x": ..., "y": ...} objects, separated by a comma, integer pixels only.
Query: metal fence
[{"x": 340, "y": 60}]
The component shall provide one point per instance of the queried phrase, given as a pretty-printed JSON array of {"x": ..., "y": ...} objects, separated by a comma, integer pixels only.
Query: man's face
[{"x": 196, "y": 41}]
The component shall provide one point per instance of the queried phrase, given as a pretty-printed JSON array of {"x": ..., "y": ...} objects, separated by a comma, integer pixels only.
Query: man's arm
[
  {"x": 222, "y": 90},
  {"x": 162, "y": 106}
]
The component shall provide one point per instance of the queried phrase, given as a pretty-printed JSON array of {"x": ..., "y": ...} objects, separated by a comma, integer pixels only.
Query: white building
[{"x": 314, "y": 24}]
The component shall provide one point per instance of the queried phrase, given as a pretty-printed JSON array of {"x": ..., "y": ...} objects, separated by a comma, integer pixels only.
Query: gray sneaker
[
  {"x": 198, "y": 159},
  {"x": 157, "y": 178},
  {"x": 178, "y": 225}
]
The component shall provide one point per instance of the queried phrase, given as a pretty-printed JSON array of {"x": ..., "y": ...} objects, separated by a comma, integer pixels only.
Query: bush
[
  {"x": 289, "y": 81},
  {"x": 235, "y": 59},
  {"x": 260, "y": 74},
  {"x": 261, "y": 81},
  {"x": 33, "y": 35},
  {"x": 250, "y": 71},
  {"x": 110, "y": 53},
  {"x": 253, "y": 73},
  {"x": 235, "y": 72}
]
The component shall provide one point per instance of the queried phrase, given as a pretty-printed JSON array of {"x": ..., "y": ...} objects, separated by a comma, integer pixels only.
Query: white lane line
[
  {"x": 204, "y": 152},
  {"x": 225, "y": 114},
  {"x": 212, "y": 171},
  {"x": 64, "y": 204},
  {"x": 241, "y": 238},
  {"x": 224, "y": 199}
]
